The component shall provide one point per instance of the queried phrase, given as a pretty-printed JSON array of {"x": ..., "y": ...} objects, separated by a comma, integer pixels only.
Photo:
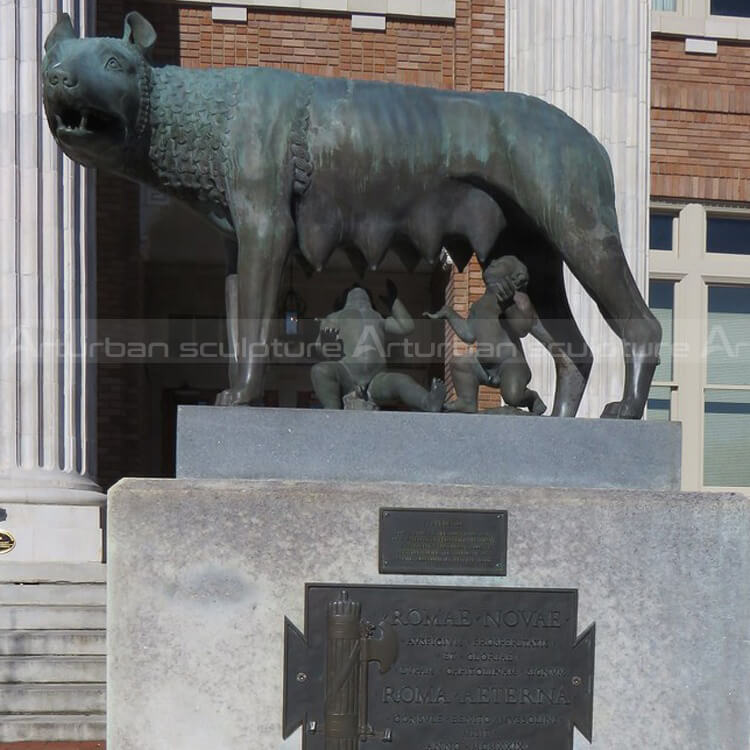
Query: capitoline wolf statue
[{"x": 289, "y": 163}]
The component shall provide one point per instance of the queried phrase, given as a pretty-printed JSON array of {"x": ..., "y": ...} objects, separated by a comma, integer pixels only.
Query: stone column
[
  {"x": 591, "y": 59},
  {"x": 47, "y": 499}
]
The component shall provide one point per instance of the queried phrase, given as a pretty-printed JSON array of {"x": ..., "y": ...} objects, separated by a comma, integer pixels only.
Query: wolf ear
[
  {"x": 139, "y": 31},
  {"x": 63, "y": 30}
]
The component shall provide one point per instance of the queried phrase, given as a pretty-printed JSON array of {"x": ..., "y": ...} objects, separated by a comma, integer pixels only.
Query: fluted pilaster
[
  {"x": 46, "y": 283},
  {"x": 591, "y": 59}
]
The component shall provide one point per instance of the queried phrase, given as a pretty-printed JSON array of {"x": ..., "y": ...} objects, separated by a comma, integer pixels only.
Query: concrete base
[
  {"x": 54, "y": 516},
  {"x": 52, "y": 652},
  {"x": 202, "y": 573},
  {"x": 52, "y": 533},
  {"x": 317, "y": 444},
  {"x": 45, "y": 572}
]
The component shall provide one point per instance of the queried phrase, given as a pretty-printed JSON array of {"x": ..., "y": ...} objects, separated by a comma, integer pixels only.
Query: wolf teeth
[{"x": 70, "y": 119}]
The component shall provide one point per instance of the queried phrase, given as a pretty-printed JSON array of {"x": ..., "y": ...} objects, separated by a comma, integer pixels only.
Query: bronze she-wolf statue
[{"x": 283, "y": 162}]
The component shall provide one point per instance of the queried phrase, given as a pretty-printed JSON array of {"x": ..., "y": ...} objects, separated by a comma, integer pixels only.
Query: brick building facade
[
  {"x": 700, "y": 112},
  {"x": 700, "y": 258}
]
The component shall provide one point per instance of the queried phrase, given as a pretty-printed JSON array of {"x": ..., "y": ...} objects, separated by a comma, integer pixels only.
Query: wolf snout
[{"x": 58, "y": 76}]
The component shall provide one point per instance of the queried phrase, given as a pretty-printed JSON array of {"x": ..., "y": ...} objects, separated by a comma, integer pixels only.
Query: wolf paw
[
  {"x": 232, "y": 397},
  {"x": 622, "y": 410}
]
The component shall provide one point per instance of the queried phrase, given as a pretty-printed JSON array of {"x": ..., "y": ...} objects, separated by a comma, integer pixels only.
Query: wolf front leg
[{"x": 264, "y": 244}]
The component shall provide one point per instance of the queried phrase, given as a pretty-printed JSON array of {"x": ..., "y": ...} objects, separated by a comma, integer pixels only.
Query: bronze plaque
[
  {"x": 443, "y": 542},
  {"x": 427, "y": 668},
  {"x": 7, "y": 541}
]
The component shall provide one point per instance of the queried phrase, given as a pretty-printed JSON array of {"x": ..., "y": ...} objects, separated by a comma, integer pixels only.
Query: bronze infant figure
[
  {"x": 497, "y": 322},
  {"x": 361, "y": 374}
]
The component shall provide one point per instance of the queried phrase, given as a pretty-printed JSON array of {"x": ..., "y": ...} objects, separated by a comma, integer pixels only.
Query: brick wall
[
  {"x": 418, "y": 53},
  {"x": 465, "y": 54},
  {"x": 480, "y": 66},
  {"x": 700, "y": 122},
  {"x": 463, "y": 289}
]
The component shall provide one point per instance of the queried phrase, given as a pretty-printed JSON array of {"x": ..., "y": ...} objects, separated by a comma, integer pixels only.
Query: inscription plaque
[
  {"x": 428, "y": 668},
  {"x": 443, "y": 542}
]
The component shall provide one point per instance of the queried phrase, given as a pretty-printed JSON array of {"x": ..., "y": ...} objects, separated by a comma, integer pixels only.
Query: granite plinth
[
  {"x": 202, "y": 574},
  {"x": 326, "y": 445}
]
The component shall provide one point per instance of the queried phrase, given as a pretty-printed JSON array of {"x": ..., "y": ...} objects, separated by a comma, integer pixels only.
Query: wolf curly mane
[{"x": 189, "y": 113}]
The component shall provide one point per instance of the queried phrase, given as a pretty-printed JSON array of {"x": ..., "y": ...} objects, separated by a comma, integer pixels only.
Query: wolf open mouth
[{"x": 71, "y": 119}]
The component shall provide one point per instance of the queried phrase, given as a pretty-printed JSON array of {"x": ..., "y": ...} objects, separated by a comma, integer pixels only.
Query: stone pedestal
[
  {"x": 46, "y": 283},
  {"x": 433, "y": 448},
  {"x": 203, "y": 572}
]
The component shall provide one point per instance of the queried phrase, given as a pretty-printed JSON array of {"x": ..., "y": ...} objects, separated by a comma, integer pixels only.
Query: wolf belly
[{"x": 414, "y": 221}]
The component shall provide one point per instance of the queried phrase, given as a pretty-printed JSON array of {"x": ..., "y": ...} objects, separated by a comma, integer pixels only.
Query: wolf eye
[{"x": 113, "y": 64}]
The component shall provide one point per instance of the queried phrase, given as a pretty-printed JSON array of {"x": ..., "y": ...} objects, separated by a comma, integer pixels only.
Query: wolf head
[{"x": 96, "y": 91}]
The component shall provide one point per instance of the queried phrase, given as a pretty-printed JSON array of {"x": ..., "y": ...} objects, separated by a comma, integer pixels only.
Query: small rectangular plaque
[
  {"x": 423, "y": 668},
  {"x": 443, "y": 542}
]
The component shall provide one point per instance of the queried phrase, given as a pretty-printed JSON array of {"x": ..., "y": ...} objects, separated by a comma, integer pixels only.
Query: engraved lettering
[
  {"x": 482, "y": 672},
  {"x": 465, "y": 618},
  {"x": 512, "y": 696},
  {"x": 513, "y": 618},
  {"x": 396, "y": 618},
  {"x": 537, "y": 720},
  {"x": 544, "y": 673},
  {"x": 432, "y": 640},
  {"x": 509, "y": 643},
  {"x": 414, "y": 694},
  {"x": 416, "y": 671}
]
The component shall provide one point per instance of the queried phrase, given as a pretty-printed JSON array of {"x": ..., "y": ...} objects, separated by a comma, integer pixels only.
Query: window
[
  {"x": 661, "y": 302},
  {"x": 730, "y": 8},
  {"x": 727, "y": 410},
  {"x": 728, "y": 235},
  {"x": 660, "y": 231},
  {"x": 727, "y": 438},
  {"x": 659, "y": 403},
  {"x": 728, "y": 340},
  {"x": 701, "y": 296},
  {"x": 702, "y": 19}
]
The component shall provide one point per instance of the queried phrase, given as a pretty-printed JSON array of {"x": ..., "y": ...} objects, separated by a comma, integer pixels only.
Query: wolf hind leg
[
  {"x": 558, "y": 332},
  {"x": 600, "y": 265}
]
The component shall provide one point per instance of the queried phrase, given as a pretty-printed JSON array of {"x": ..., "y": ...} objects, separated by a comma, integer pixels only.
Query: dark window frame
[
  {"x": 732, "y": 8},
  {"x": 668, "y": 236},
  {"x": 718, "y": 231}
]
